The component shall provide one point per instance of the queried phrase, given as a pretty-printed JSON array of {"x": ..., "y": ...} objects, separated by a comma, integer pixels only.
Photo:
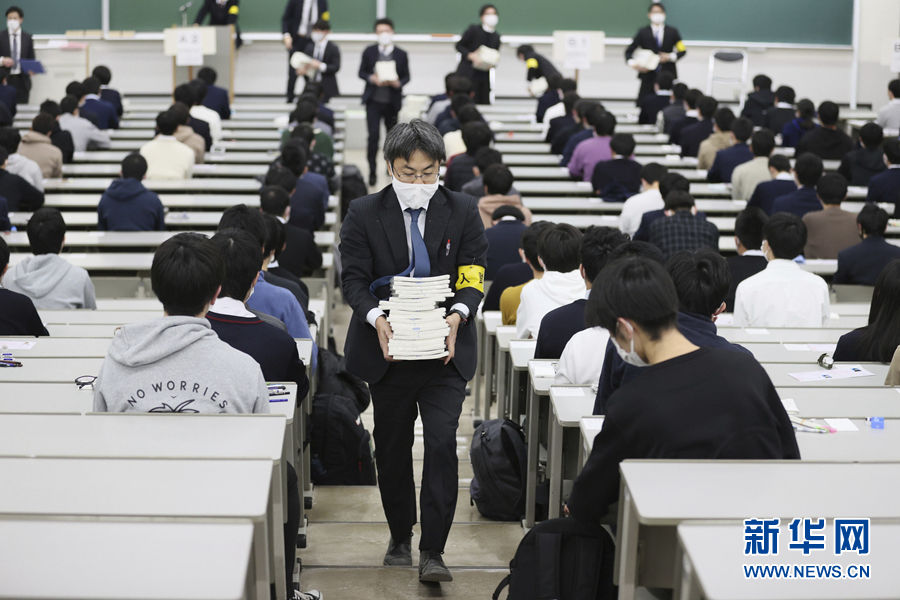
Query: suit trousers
[
  {"x": 299, "y": 44},
  {"x": 437, "y": 392},
  {"x": 22, "y": 83},
  {"x": 481, "y": 85},
  {"x": 375, "y": 112}
]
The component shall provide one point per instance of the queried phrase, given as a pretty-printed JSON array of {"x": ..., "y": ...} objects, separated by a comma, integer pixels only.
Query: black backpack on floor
[
  {"x": 334, "y": 378},
  {"x": 499, "y": 462},
  {"x": 561, "y": 559},
  {"x": 341, "y": 446}
]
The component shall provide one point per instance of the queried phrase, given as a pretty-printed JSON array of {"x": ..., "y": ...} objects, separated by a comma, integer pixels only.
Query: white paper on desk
[
  {"x": 790, "y": 406},
  {"x": 569, "y": 391},
  {"x": 16, "y": 344},
  {"x": 543, "y": 369},
  {"x": 841, "y": 424},
  {"x": 842, "y": 372},
  {"x": 797, "y": 347},
  {"x": 756, "y": 331}
]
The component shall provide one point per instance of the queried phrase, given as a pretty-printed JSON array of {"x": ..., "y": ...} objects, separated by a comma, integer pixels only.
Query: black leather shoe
[
  {"x": 373, "y": 179},
  {"x": 399, "y": 554},
  {"x": 432, "y": 568}
]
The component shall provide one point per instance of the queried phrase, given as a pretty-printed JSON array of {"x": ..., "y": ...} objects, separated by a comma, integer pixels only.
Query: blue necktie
[{"x": 420, "y": 265}]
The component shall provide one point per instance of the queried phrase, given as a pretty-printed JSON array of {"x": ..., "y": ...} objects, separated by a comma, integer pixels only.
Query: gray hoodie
[
  {"x": 177, "y": 364},
  {"x": 51, "y": 282}
]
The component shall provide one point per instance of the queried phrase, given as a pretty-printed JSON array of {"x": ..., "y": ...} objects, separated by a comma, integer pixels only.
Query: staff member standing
[
  {"x": 14, "y": 46},
  {"x": 660, "y": 39},
  {"x": 297, "y": 22},
  {"x": 383, "y": 98},
  {"x": 326, "y": 60},
  {"x": 416, "y": 227},
  {"x": 221, "y": 12},
  {"x": 475, "y": 37}
]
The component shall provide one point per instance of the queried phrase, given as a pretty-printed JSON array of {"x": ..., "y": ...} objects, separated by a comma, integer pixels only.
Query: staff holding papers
[
  {"x": 479, "y": 50},
  {"x": 654, "y": 49},
  {"x": 15, "y": 46}
]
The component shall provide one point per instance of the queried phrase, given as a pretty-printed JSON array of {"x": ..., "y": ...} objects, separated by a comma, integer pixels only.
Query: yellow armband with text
[
  {"x": 680, "y": 46},
  {"x": 233, "y": 10},
  {"x": 471, "y": 276}
]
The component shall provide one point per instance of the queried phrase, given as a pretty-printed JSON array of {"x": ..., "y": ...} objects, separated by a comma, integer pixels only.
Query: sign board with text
[{"x": 578, "y": 49}]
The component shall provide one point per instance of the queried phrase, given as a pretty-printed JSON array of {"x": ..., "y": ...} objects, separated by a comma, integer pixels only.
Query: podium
[{"x": 194, "y": 47}]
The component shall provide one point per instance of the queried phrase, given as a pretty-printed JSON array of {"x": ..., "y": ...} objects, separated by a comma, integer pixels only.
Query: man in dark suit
[
  {"x": 15, "y": 45},
  {"x": 216, "y": 97},
  {"x": 107, "y": 94},
  {"x": 444, "y": 236},
  {"x": 651, "y": 104},
  {"x": 782, "y": 183},
  {"x": 862, "y": 264},
  {"x": 560, "y": 324},
  {"x": 297, "y": 23},
  {"x": 326, "y": 60},
  {"x": 660, "y": 39},
  {"x": 750, "y": 260},
  {"x": 221, "y": 12},
  {"x": 300, "y": 255},
  {"x": 730, "y": 158},
  {"x": 383, "y": 98},
  {"x": 102, "y": 110},
  {"x": 808, "y": 170},
  {"x": 885, "y": 187},
  {"x": 503, "y": 239},
  {"x": 782, "y": 113},
  {"x": 828, "y": 142},
  {"x": 691, "y": 115},
  {"x": 759, "y": 100}
]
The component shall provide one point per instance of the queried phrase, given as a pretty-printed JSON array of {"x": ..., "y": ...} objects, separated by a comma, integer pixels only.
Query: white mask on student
[
  {"x": 317, "y": 36},
  {"x": 13, "y": 25},
  {"x": 413, "y": 195},
  {"x": 490, "y": 20},
  {"x": 629, "y": 356},
  {"x": 385, "y": 39},
  {"x": 658, "y": 18}
]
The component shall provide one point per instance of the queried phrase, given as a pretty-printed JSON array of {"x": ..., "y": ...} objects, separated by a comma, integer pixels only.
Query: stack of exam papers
[{"x": 418, "y": 322}]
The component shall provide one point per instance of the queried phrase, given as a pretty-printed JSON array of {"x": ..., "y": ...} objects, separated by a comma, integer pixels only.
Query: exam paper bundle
[{"x": 418, "y": 322}]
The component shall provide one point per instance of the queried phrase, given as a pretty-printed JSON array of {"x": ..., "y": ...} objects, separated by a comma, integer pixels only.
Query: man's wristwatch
[{"x": 463, "y": 319}]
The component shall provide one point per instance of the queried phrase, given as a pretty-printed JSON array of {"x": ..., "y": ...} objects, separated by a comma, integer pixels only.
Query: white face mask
[
  {"x": 490, "y": 20},
  {"x": 658, "y": 18},
  {"x": 317, "y": 36},
  {"x": 385, "y": 39},
  {"x": 630, "y": 356},
  {"x": 13, "y": 24},
  {"x": 413, "y": 195}
]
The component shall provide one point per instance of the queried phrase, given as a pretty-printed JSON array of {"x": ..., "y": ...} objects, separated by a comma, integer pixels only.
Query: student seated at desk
[
  {"x": 108, "y": 94},
  {"x": 651, "y": 104},
  {"x": 576, "y": 124},
  {"x": 18, "y": 316},
  {"x": 691, "y": 115},
  {"x": 693, "y": 136},
  {"x": 730, "y": 158},
  {"x": 85, "y": 135},
  {"x": 317, "y": 162},
  {"x": 559, "y": 253},
  {"x": 476, "y": 135},
  {"x": 560, "y": 324},
  {"x": 750, "y": 260},
  {"x": 295, "y": 156},
  {"x": 827, "y": 142},
  {"x": 198, "y": 111},
  {"x": 674, "y": 408},
  {"x": 885, "y": 187},
  {"x": 675, "y": 111},
  {"x": 216, "y": 97},
  {"x": 759, "y": 100},
  {"x": 185, "y": 94},
  {"x": 48, "y": 279},
  {"x": 831, "y": 229},
  {"x": 127, "y": 205},
  {"x": 553, "y": 94},
  {"x": 37, "y": 146},
  {"x": 779, "y": 115},
  {"x": 557, "y": 109},
  {"x": 506, "y": 289},
  {"x": 103, "y": 112},
  {"x": 648, "y": 199},
  {"x": 315, "y": 92},
  {"x": 186, "y": 135},
  {"x": 802, "y": 123},
  {"x": 808, "y": 169},
  {"x": 300, "y": 256},
  {"x": 781, "y": 183},
  {"x": 681, "y": 227},
  {"x": 167, "y": 158},
  {"x": 449, "y": 119},
  {"x": 564, "y": 123},
  {"x": 453, "y": 84},
  {"x": 453, "y": 140},
  {"x": 278, "y": 275},
  {"x": 877, "y": 341},
  {"x": 307, "y": 209},
  {"x": 593, "y": 149},
  {"x": 889, "y": 114},
  {"x": 863, "y": 263},
  {"x": 498, "y": 185},
  {"x": 484, "y": 158},
  {"x": 17, "y": 193},
  {"x": 503, "y": 235},
  {"x": 18, "y": 164},
  {"x": 668, "y": 182},
  {"x": 616, "y": 179},
  {"x": 860, "y": 165},
  {"x": 782, "y": 294},
  {"x": 591, "y": 115},
  {"x": 307, "y": 111},
  {"x": 747, "y": 176},
  {"x": 58, "y": 136}
]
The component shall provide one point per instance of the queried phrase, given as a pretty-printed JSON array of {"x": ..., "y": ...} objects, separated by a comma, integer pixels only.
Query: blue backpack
[{"x": 499, "y": 461}]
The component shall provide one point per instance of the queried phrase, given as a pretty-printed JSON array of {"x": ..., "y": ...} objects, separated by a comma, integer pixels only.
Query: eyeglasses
[
  {"x": 411, "y": 177},
  {"x": 85, "y": 381}
]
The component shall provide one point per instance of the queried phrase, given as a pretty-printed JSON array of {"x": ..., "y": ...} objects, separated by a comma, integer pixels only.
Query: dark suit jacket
[
  {"x": 776, "y": 118},
  {"x": 741, "y": 268},
  {"x": 367, "y": 69},
  {"x": 62, "y": 139},
  {"x": 538, "y": 66},
  {"x": 858, "y": 166},
  {"x": 332, "y": 58},
  {"x": 217, "y": 99},
  {"x": 373, "y": 245},
  {"x": 507, "y": 276},
  {"x": 8, "y": 97},
  {"x": 650, "y": 106},
  {"x": 679, "y": 126},
  {"x": 557, "y": 124},
  {"x": 307, "y": 207},
  {"x": 26, "y": 51},
  {"x": 827, "y": 144},
  {"x": 644, "y": 38},
  {"x": 862, "y": 264},
  {"x": 562, "y": 136},
  {"x": 19, "y": 194},
  {"x": 616, "y": 180},
  {"x": 503, "y": 246},
  {"x": 5, "y": 225},
  {"x": 300, "y": 256},
  {"x": 113, "y": 97},
  {"x": 691, "y": 136},
  {"x": 727, "y": 160},
  {"x": 756, "y": 106},
  {"x": 800, "y": 202},
  {"x": 201, "y": 128},
  {"x": 293, "y": 15},
  {"x": 104, "y": 112},
  {"x": 221, "y": 14},
  {"x": 647, "y": 219},
  {"x": 6, "y": 117},
  {"x": 766, "y": 192},
  {"x": 557, "y": 328},
  {"x": 885, "y": 187}
]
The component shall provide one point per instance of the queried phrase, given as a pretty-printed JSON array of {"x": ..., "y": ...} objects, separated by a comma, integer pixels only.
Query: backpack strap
[{"x": 503, "y": 584}]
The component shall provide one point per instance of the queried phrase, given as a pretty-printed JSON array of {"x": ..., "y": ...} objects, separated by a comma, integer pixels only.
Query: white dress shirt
[
  {"x": 167, "y": 158},
  {"x": 635, "y": 207},
  {"x": 782, "y": 295},
  {"x": 231, "y": 307},
  {"x": 309, "y": 16},
  {"x": 540, "y": 296},
  {"x": 582, "y": 358},
  {"x": 210, "y": 116},
  {"x": 319, "y": 55},
  {"x": 15, "y": 48}
]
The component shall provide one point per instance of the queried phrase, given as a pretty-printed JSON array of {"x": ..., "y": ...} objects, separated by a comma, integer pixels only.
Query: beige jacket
[
  {"x": 747, "y": 176},
  {"x": 167, "y": 158},
  {"x": 41, "y": 150},
  {"x": 194, "y": 141},
  {"x": 708, "y": 148},
  {"x": 488, "y": 204}
]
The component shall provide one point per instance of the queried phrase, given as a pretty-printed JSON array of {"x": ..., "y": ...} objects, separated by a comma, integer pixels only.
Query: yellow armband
[
  {"x": 471, "y": 276},
  {"x": 233, "y": 10},
  {"x": 326, "y": 16},
  {"x": 680, "y": 46},
  {"x": 531, "y": 63}
]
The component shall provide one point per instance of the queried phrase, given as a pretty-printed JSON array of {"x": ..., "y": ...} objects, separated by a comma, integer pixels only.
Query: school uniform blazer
[
  {"x": 694, "y": 134},
  {"x": 104, "y": 112},
  {"x": 645, "y": 39},
  {"x": 503, "y": 239},
  {"x": 300, "y": 256},
  {"x": 367, "y": 68},
  {"x": 885, "y": 187},
  {"x": 373, "y": 245},
  {"x": 293, "y": 15},
  {"x": 332, "y": 58},
  {"x": 113, "y": 97},
  {"x": 557, "y": 328},
  {"x": 862, "y": 264},
  {"x": 217, "y": 99}
]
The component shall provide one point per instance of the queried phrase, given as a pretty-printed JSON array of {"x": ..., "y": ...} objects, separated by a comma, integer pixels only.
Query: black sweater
[
  {"x": 18, "y": 315},
  {"x": 705, "y": 404}
]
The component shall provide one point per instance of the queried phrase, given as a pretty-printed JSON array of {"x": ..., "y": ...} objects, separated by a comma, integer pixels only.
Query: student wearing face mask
[
  {"x": 382, "y": 97},
  {"x": 660, "y": 39},
  {"x": 414, "y": 227},
  {"x": 326, "y": 60},
  {"x": 15, "y": 45},
  {"x": 476, "y": 36}
]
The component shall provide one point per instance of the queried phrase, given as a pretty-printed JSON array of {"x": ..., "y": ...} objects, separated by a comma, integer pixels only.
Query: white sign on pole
[
  {"x": 895, "y": 56},
  {"x": 577, "y": 50},
  {"x": 189, "y": 52}
]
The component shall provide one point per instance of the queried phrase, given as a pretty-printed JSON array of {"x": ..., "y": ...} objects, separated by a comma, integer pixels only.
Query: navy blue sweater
[{"x": 127, "y": 205}]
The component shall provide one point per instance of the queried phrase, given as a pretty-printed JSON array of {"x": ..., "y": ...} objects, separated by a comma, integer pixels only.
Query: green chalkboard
[
  {"x": 59, "y": 16},
  {"x": 255, "y": 15}
]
